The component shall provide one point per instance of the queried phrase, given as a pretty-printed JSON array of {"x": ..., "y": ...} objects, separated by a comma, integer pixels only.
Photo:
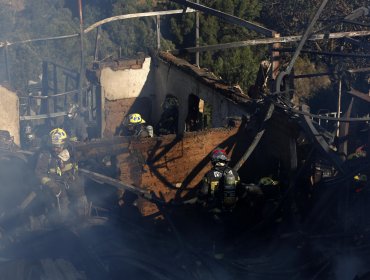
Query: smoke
[{"x": 348, "y": 267}]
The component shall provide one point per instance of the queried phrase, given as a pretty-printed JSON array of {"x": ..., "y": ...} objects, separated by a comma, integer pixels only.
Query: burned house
[{"x": 318, "y": 159}]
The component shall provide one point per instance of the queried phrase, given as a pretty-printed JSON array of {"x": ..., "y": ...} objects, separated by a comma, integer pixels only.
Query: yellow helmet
[
  {"x": 58, "y": 137},
  {"x": 135, "y": 118}
]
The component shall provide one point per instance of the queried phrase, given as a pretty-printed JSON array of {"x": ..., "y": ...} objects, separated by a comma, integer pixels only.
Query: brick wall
[
  {"x": 171, "y": 165},
  {"x": 116, "y": 111}
]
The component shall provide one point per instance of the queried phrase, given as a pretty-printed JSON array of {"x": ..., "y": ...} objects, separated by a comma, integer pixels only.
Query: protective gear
[
  {"x": 135, "y": 119},
  {"x": 58, "y": 173},
  {"x": 229, "y": 190},
  {"x": 219, "y": 157},
  {"x": 267, "y": 181},
  {"x": 359, "y": 153},
  {"x": 150, "y": 130},
  {"x": 58, "y": 137},
  {"x": 76, "y": 127},
  {"x": 72, "y": 111},
  {"x": 360, "y": 182},
  {"x": 134, "y": 125},
  {"x": 30, "y": 137},
  {"x": 220, "y": 188},
  {"x": 28, "y": 129},
  {"x": 360, "y": 178}
]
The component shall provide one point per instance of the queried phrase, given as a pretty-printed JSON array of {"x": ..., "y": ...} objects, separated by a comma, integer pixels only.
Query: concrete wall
[
  {"x": 121, "y": 93},
  {"x": 127, "y": 83},
  {"x": 9, "y": 113}
]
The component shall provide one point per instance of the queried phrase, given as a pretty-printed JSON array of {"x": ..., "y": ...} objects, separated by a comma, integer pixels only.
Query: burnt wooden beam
[
  {"x": 270, "y": 41},
  {"x": 313, "y": 75},
  {"x": 304, "y": 38},
  {"x": 359, "y": 70},
  {"x": 256, "y": 139},
  {"x": 120, "y": 185},
  {"x": 137, "y": 15},
  {"x": 42, "y": 116},
  {"x": 360, "y": 12},
  {"x": 227, "y": 17},
  {"x": 82, "y": 53},
  {"x": 356, "y": 22},
  {"x": 339, "y": 54},
  {"x": 320, "y": 142},
  {"x": 101, "y": 147},
  {"x": 344, "y": 131},
  {"x": 352, "y": 41},
  {"x": 359, "y": 94}
]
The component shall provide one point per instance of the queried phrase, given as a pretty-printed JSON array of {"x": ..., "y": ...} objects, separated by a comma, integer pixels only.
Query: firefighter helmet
[
  {"x": 218, "y": 155},
  {"x": 58, "y": 137},
  {"x": 28, "y": 129},
  {"x": 135, "y": 119}
]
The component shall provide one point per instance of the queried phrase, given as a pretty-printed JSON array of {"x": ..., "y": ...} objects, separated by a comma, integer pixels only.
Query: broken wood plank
[
  {"x": 268, "y": 41},
  {"x": 359, "y": 94},
  {"x": 115, "y": 183},
  {"x": 320, "y": 142}
]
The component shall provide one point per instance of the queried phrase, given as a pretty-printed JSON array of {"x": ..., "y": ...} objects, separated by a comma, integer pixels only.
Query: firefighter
[
  {"x": 219, "y": 187},
  {"x": 57, "y": 171},
  {"x": 75, "y": 125},
  {"x": 135, "y": 125},
  {"x": 218, "y": 195},
  {"x": 169, "y": 118},
  {"x": 29, "y": 141}
]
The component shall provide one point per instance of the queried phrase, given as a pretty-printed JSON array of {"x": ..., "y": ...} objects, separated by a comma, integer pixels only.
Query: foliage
[
  {"x": 40, "y": 18},
  {"x": 234, "y": 65},
  {"x": 48, "y": 18}
]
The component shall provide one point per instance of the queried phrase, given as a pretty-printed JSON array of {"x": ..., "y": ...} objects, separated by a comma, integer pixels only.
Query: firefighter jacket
[
  {"x": 220, "y": 187},
  {"x": 51, "y": 167},
  {"x": 138, "y": 130}
]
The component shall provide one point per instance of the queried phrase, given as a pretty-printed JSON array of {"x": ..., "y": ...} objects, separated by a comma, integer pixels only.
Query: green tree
[
  {"x": 234, "y": 65},
  {"x": 41, "y": 18}
]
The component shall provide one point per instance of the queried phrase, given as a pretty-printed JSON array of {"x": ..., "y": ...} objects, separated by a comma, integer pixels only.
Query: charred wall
[
  {"x": 126, "y": 86},
  {"x": 141, "y": 85},
  {"x": 116, "y": 111},
  {"x": 171, "y": 165}
]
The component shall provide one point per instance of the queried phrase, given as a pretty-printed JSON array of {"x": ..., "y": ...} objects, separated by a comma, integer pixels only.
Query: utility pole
[
  {"x": 82, "y": 68},
  {"x": 158, "y": 23},
  {"x": 96, "y": 52},
  {"x": 197, "y": 36}
]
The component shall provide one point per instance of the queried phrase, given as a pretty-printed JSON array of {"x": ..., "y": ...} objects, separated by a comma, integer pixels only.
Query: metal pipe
[
  {"x": 227, "y": 17},
  {"x": 82, "y": 52},
  {"x": 197, "y": 36},
  {"x": 137, "y": 15},
  {"x": 97, "y": 44},
  {"x": 339, "y": 105},
  {"x": 158, "y": 23},
  {"x": 266, "y": 41}
]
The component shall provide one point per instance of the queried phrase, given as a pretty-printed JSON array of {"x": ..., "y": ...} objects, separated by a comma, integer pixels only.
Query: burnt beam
[
  {"x": 339, "y": 54},
  {"x": 227, "y": 17},
  {"x": 270, "y": 41},
  {"x": 319, "y": 141},
  {"x": 359, "y": 94}
]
